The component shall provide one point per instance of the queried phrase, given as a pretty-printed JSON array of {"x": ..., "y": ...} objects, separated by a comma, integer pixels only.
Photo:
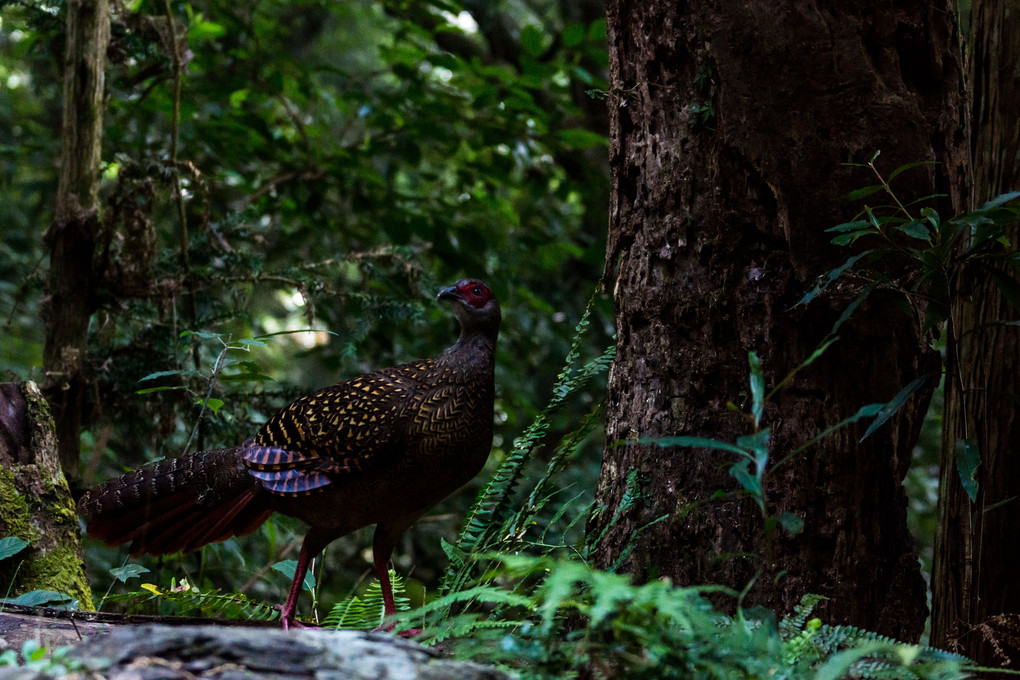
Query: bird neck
[{"x": 476, "y": 340}]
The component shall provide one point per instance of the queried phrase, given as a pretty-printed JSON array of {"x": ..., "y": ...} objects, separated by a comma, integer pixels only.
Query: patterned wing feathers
[{"x": 337, "y": 431}]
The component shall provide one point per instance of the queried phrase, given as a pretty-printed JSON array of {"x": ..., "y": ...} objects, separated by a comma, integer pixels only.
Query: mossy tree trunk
[
  {"x": 974, "y": 580},
  {"x": 732, "y": 123},
  {"x": 71, "y": 238},
  {"x": 35, "y": 503}
]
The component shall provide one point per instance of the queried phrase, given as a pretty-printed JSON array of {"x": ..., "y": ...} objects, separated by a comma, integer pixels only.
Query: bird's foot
[
  {"x": 407, "y": 634},
  {"x": 289, "y": 621},
  {"x": 294, "y": 623}
]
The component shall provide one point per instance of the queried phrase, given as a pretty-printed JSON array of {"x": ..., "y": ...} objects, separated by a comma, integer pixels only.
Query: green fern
[
  {"x": 188, "y": 598},
  {"x": 543, "y": 617},
  {"x": 867, "y": 654},
  {"x": 794, "y": 624},
  {"x": 492, "y": 519},
  {"x": 367, "y": 611}
]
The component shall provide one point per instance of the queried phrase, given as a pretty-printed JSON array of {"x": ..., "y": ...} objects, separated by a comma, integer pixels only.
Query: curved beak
[{"x": 450, "y": 293}]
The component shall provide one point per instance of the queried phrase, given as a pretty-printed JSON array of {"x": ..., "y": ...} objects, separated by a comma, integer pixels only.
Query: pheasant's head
[{"x": 475, "y": 307}]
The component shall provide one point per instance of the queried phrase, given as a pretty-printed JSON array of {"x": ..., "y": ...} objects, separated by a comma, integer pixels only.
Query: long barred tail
[{"x": 177, "y": 505}]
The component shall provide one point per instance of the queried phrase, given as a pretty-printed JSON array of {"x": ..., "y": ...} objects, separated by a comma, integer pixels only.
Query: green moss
[
  {"x": 15, "y": 519},
  {"x": 53, "y": 562},
  {"x": 60, "y": 566}
]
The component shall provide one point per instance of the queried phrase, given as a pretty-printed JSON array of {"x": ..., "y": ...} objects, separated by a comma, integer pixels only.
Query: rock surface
[{"x": 161, "y": 652}]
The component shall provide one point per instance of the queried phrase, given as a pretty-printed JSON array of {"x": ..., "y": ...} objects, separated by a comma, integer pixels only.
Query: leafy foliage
[
  {"x": 44, "y": 662},
  {"x": 11, "y": 546},
  {"x": 336, "y": 163},
  {"x": 495, "y": 523},
  {"x": 367, "y": 610},
  {"x": 545, "y": 617},
  {"x": 911, "y": 250},
  {"x": 186, "y": 598}
]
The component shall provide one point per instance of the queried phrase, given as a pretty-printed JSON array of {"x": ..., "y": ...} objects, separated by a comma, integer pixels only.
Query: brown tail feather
[{"x": 177, "y": 505}]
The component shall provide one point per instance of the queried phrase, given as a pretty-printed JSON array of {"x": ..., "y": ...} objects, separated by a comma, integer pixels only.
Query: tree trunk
[
  {"x": 731, "y": 125},
  {"x": 72, "y": 236},
  {"x": 35, "y": 504},
  {"x": 976, "y": 561}
]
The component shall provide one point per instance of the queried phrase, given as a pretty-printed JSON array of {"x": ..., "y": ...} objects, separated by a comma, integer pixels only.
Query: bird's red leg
[
  {"x": 287, "y": 611},
  {"x": 382, "y": 548},
  {"x": 382, "y": 572}
]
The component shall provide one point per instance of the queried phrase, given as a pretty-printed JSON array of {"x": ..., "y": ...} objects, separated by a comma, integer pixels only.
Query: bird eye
[{"x": 477, "y": 291}]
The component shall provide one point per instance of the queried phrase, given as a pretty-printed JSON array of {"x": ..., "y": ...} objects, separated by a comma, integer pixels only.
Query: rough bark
[
  {"x": 35, "y": 504},
  {"x": 158, "y": 652},
  {"x": 71, "y": 238},
  {"x": 975, "y": 598},
  {"x": 731, "y": 124}
]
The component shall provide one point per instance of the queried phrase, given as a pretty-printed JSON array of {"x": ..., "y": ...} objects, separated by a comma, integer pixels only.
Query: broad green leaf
[
  {"x": 894, "y": 404},
  {"x": 289, "y": 567},
  {"x": 11, "y": 545},
  {"x": 968, "y": 458},
  {"x": 247, "y": 343},
  {"x": 128, "y": 571},
  {"x": 916, "y": 229},
  {"x": 39, "y": 598},
  {"x": 1001, "y": 199},
  {"x": 213, "y": 404},
  {"x": 931, "y": 216}
]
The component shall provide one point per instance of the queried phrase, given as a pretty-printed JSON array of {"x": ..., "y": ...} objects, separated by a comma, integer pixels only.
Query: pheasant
[{"x": 378, "y": 449}]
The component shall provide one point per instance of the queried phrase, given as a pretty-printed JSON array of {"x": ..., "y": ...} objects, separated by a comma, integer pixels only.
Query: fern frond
[
  {"x": 794, "y": 624},
  {"x": 209, "y": 603},
  {"x": 491, "y": 518},
  {"x": 367, "y": 611}
]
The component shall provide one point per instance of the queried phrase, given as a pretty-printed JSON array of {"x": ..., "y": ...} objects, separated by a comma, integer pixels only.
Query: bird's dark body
[
  {"x": 404, "y": 438},
  {"x": 379, "y": 449}
]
